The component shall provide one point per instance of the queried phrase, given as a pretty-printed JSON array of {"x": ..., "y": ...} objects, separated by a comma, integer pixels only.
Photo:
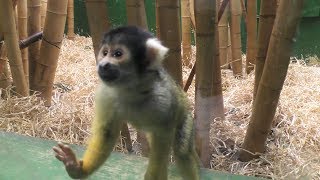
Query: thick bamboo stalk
[
  {"x": 251, "y": 35},
  {"x": 244, "y": 13},
  {"x": 14, "y": 3},
  {"x": 229, "y": 50},
  {"x": 193, "y": 70},
  {"x": 169, "y": 24},
  {"x": 186, "y": 32},
  {"x": 223, "y": 38},
  {"x": 136, "y": 14},
  {"x": 191, "y": 3},
  {"x": 70, "y": 18},
  {"x": 43, "y": 11},
  {"x": 34, "y": 26},
  {"x": 14, "y": 54},
  {"x": 157, "y": 20},
  {"x": 23, "y": 34},
  {"x": 4, "y": 71},
  {"x": 50, "y": 48},
  {"x": 208, "y": 99},
  {"x": 218, "y": 109},
  {"x": 266, "y": 19},
  {"x": 98, "y": 21},
  {"x": 272, "y": 79},
  {"x": 15, "y": 11},
  {"x": 236, "y": 63},
  {"x": 222, "y": 7}
]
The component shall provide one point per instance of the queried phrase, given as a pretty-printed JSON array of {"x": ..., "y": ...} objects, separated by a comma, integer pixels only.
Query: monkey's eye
[
  {"x": 105, "y": 52},
  {"x": 117, "y": 53}
]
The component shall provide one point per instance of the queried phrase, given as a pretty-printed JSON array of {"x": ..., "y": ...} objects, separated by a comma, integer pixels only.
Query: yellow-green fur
[{"x": 164, "y": 114}]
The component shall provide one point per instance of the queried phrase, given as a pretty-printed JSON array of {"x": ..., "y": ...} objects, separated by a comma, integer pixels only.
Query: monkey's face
[
  {"x": 112, "y": 60},
  {"x": 128, "y": 55}
]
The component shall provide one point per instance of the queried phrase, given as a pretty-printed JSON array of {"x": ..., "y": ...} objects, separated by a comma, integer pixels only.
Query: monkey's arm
[
  {"x": 105, "y": 131},
  {"x": 99, "y": 149}
]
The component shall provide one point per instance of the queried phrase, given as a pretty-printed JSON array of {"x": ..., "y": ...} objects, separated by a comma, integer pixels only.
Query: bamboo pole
[
  {"x": 218, "y": 107},
  {"x": 244, "y": 12},
  {"x": 136, "y": 15},
  {"x": 14, "y": 3},
  {"x": 23, "y": 34},
  {"x": 273, "y": 77},
  {"x": 236, "y": 63},
  {"x": 4, "y": 71},
  {"x": 251, "y": 35},
  {"x": 157, "y": 20},
  {"x": 15, "y": 11},
  {"x": 70, "y": 18},
  {"x": 208, "y": 99},
  {"x": 34, "y": 26},
  {"x": 11, "y": 40},
  {"x": 43, "y": 11},
  {"x": 186, "y": 32},
  {"x": 50, "y": 48},
  {"x": 266, "y": 19},
  {"x": 223, "y": 38},
  {"x": 193, "y": 70},
  {"x": 191, "y": 3},
  {"x": 169, "y": 24},
  {"x": 229, "y": 50},
  {"x": 98, "y": 21}
]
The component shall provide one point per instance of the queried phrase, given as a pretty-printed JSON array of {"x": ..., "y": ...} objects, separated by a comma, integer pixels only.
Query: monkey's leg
[
  {"x": 184, "y": 151},
  {"x": 159, "y": 155}
]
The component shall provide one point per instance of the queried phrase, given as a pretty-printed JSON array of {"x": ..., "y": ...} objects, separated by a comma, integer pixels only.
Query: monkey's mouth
[{"x": 108, "y": 74}]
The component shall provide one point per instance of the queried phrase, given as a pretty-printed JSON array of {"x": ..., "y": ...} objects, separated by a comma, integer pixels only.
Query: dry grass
[{"x": 293, "y": 146}]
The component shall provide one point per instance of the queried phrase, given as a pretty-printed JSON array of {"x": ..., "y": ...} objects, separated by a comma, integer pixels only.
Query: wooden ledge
[{"x": 32, "y": 158}]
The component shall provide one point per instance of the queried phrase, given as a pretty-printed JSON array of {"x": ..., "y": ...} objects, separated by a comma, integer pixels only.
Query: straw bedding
[{"x": 293, "y": 146}]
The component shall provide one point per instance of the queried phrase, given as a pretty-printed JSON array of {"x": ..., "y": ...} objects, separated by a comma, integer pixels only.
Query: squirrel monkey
[{"x": 135, "y": 88}]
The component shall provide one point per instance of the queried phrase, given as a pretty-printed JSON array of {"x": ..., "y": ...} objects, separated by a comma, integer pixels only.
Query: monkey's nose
[
  {"x": 104, "y": 66},
  {"x": 108, "y": 71}
]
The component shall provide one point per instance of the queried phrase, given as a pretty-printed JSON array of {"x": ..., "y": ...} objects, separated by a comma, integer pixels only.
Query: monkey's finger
[
  {"x": 65, "y": 148},
  {"x": 57, "y": 150},
  {"x": 61, "y": 145},
  {"x": 60, "y": 158},
  {"x": 68, "y": 152}
]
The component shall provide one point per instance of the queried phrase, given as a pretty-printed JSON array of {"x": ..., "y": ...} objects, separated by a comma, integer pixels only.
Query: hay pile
[
  {"x": 293, "y": 145},
  {"x": 68, "y": 119}
]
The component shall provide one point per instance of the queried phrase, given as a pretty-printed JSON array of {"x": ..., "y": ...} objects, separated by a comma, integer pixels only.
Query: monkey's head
[{"x": 128, "y": 52}]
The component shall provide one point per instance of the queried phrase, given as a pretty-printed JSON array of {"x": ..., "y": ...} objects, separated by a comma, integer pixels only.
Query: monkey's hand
[{"x": 65, "y": 154}]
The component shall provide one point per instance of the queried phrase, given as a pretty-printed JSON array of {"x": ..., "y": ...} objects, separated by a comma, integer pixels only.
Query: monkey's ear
[{"x": 155, "y": 51}]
